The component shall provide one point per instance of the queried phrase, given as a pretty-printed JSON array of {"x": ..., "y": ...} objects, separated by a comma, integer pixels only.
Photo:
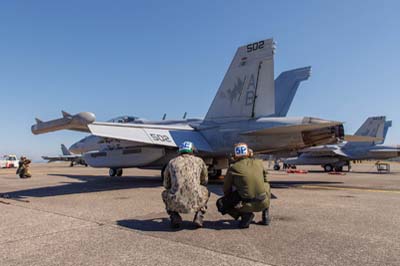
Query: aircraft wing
[
  {"x": 290, "y": 129},
  {"x": 162, "y": 135},
  {"x": 61, "y": 158}
]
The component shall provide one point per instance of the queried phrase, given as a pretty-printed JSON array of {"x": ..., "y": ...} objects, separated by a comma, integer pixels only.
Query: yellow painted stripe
[{"x": 351, "y": 189}]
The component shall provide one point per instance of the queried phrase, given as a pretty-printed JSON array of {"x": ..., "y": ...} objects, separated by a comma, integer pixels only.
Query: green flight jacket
[{"x": 249, "y": 178}]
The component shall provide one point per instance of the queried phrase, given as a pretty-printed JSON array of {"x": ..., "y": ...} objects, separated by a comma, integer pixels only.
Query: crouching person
[
  {"x": 246, "y": 189},
  {"x": 185, "y": 180},
  {"x": 23, "y": 171}
]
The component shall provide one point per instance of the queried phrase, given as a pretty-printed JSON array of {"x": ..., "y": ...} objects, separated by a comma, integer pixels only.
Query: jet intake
[{"x": 328, "y": 135}]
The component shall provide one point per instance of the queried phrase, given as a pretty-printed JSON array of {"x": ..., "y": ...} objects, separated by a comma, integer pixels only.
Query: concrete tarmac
[{"x": 80, "y": 216}]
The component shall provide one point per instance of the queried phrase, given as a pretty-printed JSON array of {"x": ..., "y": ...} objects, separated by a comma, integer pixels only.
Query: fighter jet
[
  {"x": 66, "y": 156},
  {"x": 243, "y": 110},
  {"x": 334, "y": 157},
  {"x": 286, "y": 86}
]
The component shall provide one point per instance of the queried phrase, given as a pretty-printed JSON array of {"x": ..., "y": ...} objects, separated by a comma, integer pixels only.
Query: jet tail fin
[
  {"x": 373, "y": 127},
  {"x": 64, "y": 150},
  {"x": 286, "y": 85},
  {"x": 247, "y": 90},
  {"x": 385, "y": 131}
]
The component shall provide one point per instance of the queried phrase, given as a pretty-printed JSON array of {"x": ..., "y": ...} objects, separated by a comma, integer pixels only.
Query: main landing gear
[
  {"x": 330, "y": 168},
  {"x": 115, "y": 172}
]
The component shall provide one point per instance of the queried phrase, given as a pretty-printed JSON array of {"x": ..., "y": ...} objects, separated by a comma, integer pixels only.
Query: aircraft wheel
[
  {"x": 86, "y": 165},
  {"x": 119, "y": 172},
  {"x": 328, "y": 168},
  {"x": 277, "y": 167},
  {"x": 112, "y": 171},
  {"x": 214, "y": 174},
  {"x": 71, "y": 164}
]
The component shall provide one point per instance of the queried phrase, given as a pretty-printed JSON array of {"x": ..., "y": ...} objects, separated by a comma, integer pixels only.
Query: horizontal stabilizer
[
  {"x": 76, "y": 122},
  {"x": 169, "y": 136},
  {"x": 356, "y": 138},
  {"x": 290, "y": 129}
]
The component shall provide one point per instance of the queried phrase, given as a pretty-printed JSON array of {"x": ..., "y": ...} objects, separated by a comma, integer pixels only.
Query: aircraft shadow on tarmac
[
  {"x": 367, "y": 172},
  {"x": 294, "y": 184},
  {"x": 102, "y": 183},
  {"x": 163, "y": 225},
  {"x": 91, "y": 184}
]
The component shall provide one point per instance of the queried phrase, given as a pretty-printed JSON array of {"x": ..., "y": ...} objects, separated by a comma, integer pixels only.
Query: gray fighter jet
[
  {"x": 334, "y": 157},
  {"x": 243, "y": 110},
  {"x": 286, "y": 86},
  {"x": 66, "y": 156}
]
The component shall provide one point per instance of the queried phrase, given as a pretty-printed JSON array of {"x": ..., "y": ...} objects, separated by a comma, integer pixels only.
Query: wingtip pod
[
  {"x": 77, "y": 122},
  {"x": 84, "y": 117}
]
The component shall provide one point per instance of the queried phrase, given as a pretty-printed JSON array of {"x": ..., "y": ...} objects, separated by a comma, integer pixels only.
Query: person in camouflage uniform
[
  {"x": 20, "y": 164},
  {"x": 23, "y": 171},
  {"x": 185, "y": 180},
  {"x": 246, "y": 188}
]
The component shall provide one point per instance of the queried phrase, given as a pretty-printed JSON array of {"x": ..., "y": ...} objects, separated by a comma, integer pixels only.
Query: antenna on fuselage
[
  {"x": 164, "y": 116},
  {"x": 184, "y": 115}
]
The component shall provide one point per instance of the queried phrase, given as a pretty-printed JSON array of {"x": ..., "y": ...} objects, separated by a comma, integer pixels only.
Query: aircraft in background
[
  {"x": 243, "y": 110},
  {"x": 66, "y": 156},
  {"x": 334, "y": 157}
]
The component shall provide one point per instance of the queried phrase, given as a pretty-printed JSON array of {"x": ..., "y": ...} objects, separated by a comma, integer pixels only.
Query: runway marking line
[{"x": 351, "y": 188}]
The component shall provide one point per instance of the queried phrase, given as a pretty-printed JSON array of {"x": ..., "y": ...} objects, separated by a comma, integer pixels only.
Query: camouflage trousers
[
  {"x": 177, "y": 203},
  {"x": 24, "y": 173}
]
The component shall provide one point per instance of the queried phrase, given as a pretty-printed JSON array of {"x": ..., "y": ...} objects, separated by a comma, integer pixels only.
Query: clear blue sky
[{"x": 147, "y": 58}]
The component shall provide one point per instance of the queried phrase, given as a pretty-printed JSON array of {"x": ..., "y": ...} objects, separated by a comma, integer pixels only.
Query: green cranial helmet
[{"x": 186, "y": 147}]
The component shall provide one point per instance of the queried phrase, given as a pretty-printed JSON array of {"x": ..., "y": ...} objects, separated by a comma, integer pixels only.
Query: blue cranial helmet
[{"x": 186, "y": 147}]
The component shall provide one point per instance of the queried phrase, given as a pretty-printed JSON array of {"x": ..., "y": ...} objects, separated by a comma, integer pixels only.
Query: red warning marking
[{"x": 295, "y": 171}]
